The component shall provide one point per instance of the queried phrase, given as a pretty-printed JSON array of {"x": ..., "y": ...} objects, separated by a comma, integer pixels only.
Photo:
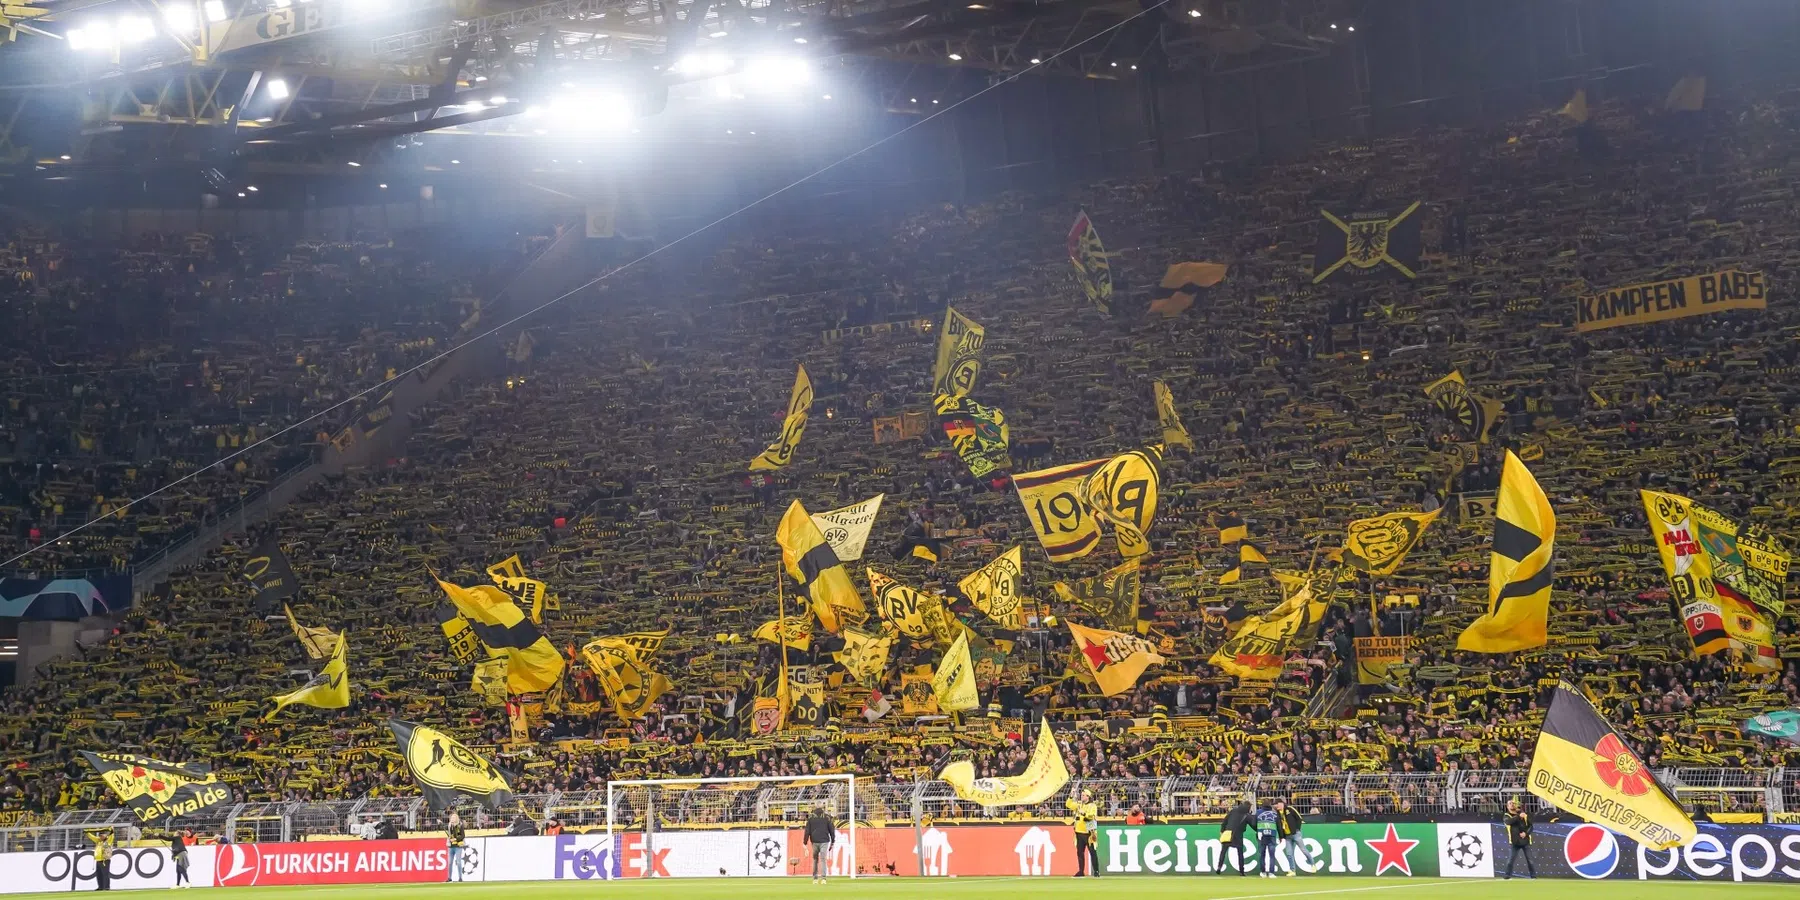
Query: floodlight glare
[
  {"x": 181, "y": 18},
  {"x": 215, "y": 11},
  {"x": 278, "y": 88},
  {"x": 703, "y": 63},
  {"x": 776, "y": 73}
]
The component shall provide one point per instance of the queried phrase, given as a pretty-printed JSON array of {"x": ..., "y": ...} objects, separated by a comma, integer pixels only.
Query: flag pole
[{"x": 781, "y": 692}]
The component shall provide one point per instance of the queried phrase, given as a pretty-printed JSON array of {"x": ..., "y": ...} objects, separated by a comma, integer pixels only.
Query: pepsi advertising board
[{"x": 1742, "y": 853}]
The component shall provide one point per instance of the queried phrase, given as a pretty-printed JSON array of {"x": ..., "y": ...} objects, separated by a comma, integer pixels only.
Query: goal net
[{"x": 727, "y": 827}]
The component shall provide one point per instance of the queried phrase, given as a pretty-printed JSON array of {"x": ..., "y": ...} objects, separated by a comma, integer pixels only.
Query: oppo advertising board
[{"x": 132, "y": 868}]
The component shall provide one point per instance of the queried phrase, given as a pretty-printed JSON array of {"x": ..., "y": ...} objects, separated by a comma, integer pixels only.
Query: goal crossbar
[{"x": 613, "y": 787}]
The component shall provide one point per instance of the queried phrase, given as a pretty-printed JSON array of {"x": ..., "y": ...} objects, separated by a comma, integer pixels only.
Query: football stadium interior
[{"x": 480, "y": 442}]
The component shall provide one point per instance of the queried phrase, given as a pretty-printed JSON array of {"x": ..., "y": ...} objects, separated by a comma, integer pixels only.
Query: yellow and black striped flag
[
  {"x": 793, "y": 425},
  {"x": 816, "y": 566},
  {"x": 532, "y": 663},
  {"x": 1234, "y": 536},
  {"x": 1519, "y": 570},
  {"x": 1583, "y": 766}
]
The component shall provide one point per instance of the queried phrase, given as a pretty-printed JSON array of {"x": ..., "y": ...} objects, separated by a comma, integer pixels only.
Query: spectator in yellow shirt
[{"x": 1087, "y": 821}]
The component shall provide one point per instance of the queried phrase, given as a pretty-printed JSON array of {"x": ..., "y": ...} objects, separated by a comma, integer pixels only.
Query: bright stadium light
[
  {"x": 278, "y": 88},
  {"x": 215, "y": 11},
  {"x": 702, "y": 63},
  {"x": 776, "y": 73},
  {"x": 181, "y": 18}
]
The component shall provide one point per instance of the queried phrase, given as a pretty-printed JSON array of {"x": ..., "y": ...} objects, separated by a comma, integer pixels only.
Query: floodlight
[
  {"x": 215, "y": 11},
  {"x": 180, "y": 18},
  {"x": 703, "y": 63},
  {"x": 278, "y": 88}
]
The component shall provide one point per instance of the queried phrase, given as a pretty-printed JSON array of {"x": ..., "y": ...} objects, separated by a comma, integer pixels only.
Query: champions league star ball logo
[
  {"x": 767, "y": 855},
  {"x": 1465, "y": 851},
  {"x": 1591, "y": 851}
]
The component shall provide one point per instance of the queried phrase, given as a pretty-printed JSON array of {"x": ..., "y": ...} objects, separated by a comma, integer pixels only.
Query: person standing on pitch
[
  {"x": 1268, "y": 824},
  {"x": 1087, "y": 818},
  {"x": 178, "y": 844},
  {"x": 1292, "y": 848},
  {"x": 1518, "y": 829},
  {"x": 458, "y": 839},
  {"x": 1231, "y": 835},
  {"x": 820, "y": 834},
  {"x": 103, "y": 851}
]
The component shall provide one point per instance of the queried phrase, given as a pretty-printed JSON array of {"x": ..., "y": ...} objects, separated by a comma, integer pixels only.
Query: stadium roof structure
[{"x": 118, "y": 82}]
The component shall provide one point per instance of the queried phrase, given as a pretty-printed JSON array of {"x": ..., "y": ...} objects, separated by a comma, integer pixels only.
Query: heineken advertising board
[{"x": 1389, "y": 850}]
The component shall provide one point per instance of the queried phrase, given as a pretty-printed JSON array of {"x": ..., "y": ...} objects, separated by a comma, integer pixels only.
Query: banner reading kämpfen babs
[{"x": 1675, "y": 298}]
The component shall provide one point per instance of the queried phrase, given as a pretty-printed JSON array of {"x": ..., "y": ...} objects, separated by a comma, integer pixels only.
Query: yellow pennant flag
[
  {"x": 319, "y": 642},
  {"x": 1044, "y": 775},
  {"x": 1583, "y": 766},
  {"x": 1378, "y": 545},
  {"x": 1055, "y": 501},
  {"x": 958, "y": 362},
  {"x": 812, "y": 562},
  {"x": 1124, "y": 492},
  {"x": 622, "y": 664},
  {"x": 794, "y": 631},
  {"x": 330, "y": 689},
  {"x": 1174, "y": 433},
  {"x": 781, "y": 452},
  {"x": 1116, "y": 660},
  {"x": 919, "y": 615},
  {"x": 954, "y": 681},
  {"x": 1577, "y": 107},
  {"x": 1519, "y": 568},
  {"x": 994, "y": 589},
  {"x": 532, "y": 663}
]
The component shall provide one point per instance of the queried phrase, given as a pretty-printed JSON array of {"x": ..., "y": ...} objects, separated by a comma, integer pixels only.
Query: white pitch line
[{"x": 1354, "y": 890}]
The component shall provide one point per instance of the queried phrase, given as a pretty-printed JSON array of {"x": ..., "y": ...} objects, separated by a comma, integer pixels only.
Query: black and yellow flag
[
  {"x": 1519, "y": 569},
  {"x": 1259, "y": 648},
  {"x": 953, "y": 682},
  {"x": 1123, "y": 492},
  {"x": 510, "y": 575},
  {"x": 865, "y": 655},
  {"x": 1234, "y": 536},
  {"x": 330, "y": 689},
  {"x": 1728, "y": 582},
  {"x": 994, "y": 589},
  {"x": 268, "y": 571},
  {"x": 800, "y": 402},
  {"x": 1092, "y": 269},
  {"x": 1380, "y": 544},
  {"x": 488, "y": 681},
  {"x": 464, "y": 645},
  {"x": 445, "y": 769},
  {"x": 1115, "y": 660},
  {"x": 157, "y": 790},
  {"x": 808, "y": 704},
  {"x": 1472, "y": 414},
  {"x": 1112, "y": 597},
  {"x": 622, "y": 664},
  {"x": 1181, "y": 283},
  {"x": 1174, "y": 433},
  {"x": 319, "y": 642},
  {"x": 979, "y": 434},
  {"x": 918, "y": 615},
  {"x": 1363, "y": 243},
  {"x": 958, "y": 363},
  {"x": 812, "y": 562},
  {"x": 1055, "y": 501},
  {"x": 532, "y": 663},
  {"x": 1582, "y": 766},
  {"x": 794, "y": 631}
]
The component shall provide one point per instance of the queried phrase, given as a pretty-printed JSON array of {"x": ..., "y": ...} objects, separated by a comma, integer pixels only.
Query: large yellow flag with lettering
[
  {"x": 958, "y": 362},
  {"x": 1044, "y": 775},
  {"x": 1583, "y": 766},
  {"x": 781, "y": 452},
  {"x": 622, "y": 664},
  {"x": 1115, "y": 659},
  {"x": 1056, "y": 505},
  {"x": 1519, "y": 569},
  {"x": 954, "y": 681}
]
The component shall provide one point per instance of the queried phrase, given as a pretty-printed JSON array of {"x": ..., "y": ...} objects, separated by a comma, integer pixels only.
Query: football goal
[{"x": 726, "y": 827}]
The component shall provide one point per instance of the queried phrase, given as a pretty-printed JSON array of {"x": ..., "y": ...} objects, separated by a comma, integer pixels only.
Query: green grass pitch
[{"x": 1218, "y": 887}]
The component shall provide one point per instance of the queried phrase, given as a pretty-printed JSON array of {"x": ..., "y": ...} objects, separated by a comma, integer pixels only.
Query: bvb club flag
[
  {"x": 979, "y": 434},
  {"x": 846, "y": 529},
  {"x": 1260, "y": 646},
  {"x": 445, "y": 769},
  {"x": 800, "y": 402},
  {"x": 330, "y": 689},
  {"x": 509, "y": 574},
  {"x": 1234, "y": 536},
  {"x": 1472, "y": 414},
  {"x": 488, "y": 681},
  {"x": 465, "y": 647},
  {"x": 812, "y": 562},
  {"x": 1124, "y": 493},
  {"x": 1113, "y": 658},
  {"x": 1056, "y": 505},
  {"x": 1727, "y": 581},
  {"x": 915, "y": 614},
  {"x": 865, "y": 655},
  {"x": 1044, "y": 775},
  {"x": 1092, "y": 269},
  {"x": 1111, "y": 596},
  {"x": 794, "y": 631},
  {"x": 532, "y": 663},
  {"x": 1519, "y": 568},
  {"x": 994, "y": 589},
  {"x": 1582, "y": 766},
  {"x": 954, "y": 681},
  {"x": 958, "y": 363},
  {"x": 622, "y": 664},
  {"x": 1181, "y": 283},
  {"x": 319, "y": 642},
  {"x": 268, "y": 571},
  {"x": 1380, "y": 544},
  {"x": 157, "y": 790},
  {"x": 1174, "y": 433}
]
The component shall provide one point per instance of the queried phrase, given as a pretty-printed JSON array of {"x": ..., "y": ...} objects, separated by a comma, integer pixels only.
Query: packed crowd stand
[{"x": 632, "y": 424}]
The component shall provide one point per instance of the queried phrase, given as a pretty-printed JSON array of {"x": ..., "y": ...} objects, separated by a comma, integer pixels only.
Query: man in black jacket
[
  {"x": 1231, "y": 835},
  {"x": 1292, "y": 847},
  {"x": 1518, "y": 830},
  {"x": 820, "y": 834}
]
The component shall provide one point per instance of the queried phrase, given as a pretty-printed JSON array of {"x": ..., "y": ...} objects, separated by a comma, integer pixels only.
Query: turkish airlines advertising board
[{"x": 334, "y": 862}]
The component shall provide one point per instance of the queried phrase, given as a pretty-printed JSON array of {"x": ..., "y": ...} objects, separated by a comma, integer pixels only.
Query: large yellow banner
[{"x": 1659, "y": 301}]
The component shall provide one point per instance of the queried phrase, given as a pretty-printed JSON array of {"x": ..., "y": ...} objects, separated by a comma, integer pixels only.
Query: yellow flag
[
  {"x": 919, "y": 615},
  {"x": 1689, "y": 569},
  {"x": 794, "y": 631},
  {"x": 1181, "y": 282},
  {"x": 812, "y": 562},
  {"x": 1583, "y": 766},
  {"x": 954, "y": 681},
  {"x": 1577, "y": 107},
  {"x": 781, "y": 452},
  {"x": 958, "y": 362},
  {"x": 445, "y": 769},
  {"x": 916, "y": 698},
  {"x": 1688, "y": 95},
  {"x": 865, "y": 655},
  {"x": 622, "y": 664},
  {"x": 319, "y": 642},
  {"x": 1519, "y": 569},
  {"x": 532, "y": 663},
  {"x": 1261, "y": 644},
  {"x": 1175, "y": 434},
  {"x": 510, "y": 575},
  {"x": 994, "y": 589},
  {"x": 330, "y": 689},
  {"x": 1056, "y": 505},
  {"x": 1093, "y": 270},
  {"x": 1044, "y": 775},
  {"x": 1111, "y": 596},
  {"x": 489, "y": 681},
  {"x": 808, "y": 707},
  {"x": 1378, "y": 545},
  {"x": 1115, "y": 659},
  {"x": 846, "y": 528},
  {"x": 1124, "y": 492}
]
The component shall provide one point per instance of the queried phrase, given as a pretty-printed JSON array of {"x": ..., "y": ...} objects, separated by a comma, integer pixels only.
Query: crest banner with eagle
[{"x": 1366, "y": 243}]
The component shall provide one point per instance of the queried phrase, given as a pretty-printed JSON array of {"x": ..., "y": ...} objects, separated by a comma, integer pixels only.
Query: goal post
[{"x": 751, "y": 825}]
